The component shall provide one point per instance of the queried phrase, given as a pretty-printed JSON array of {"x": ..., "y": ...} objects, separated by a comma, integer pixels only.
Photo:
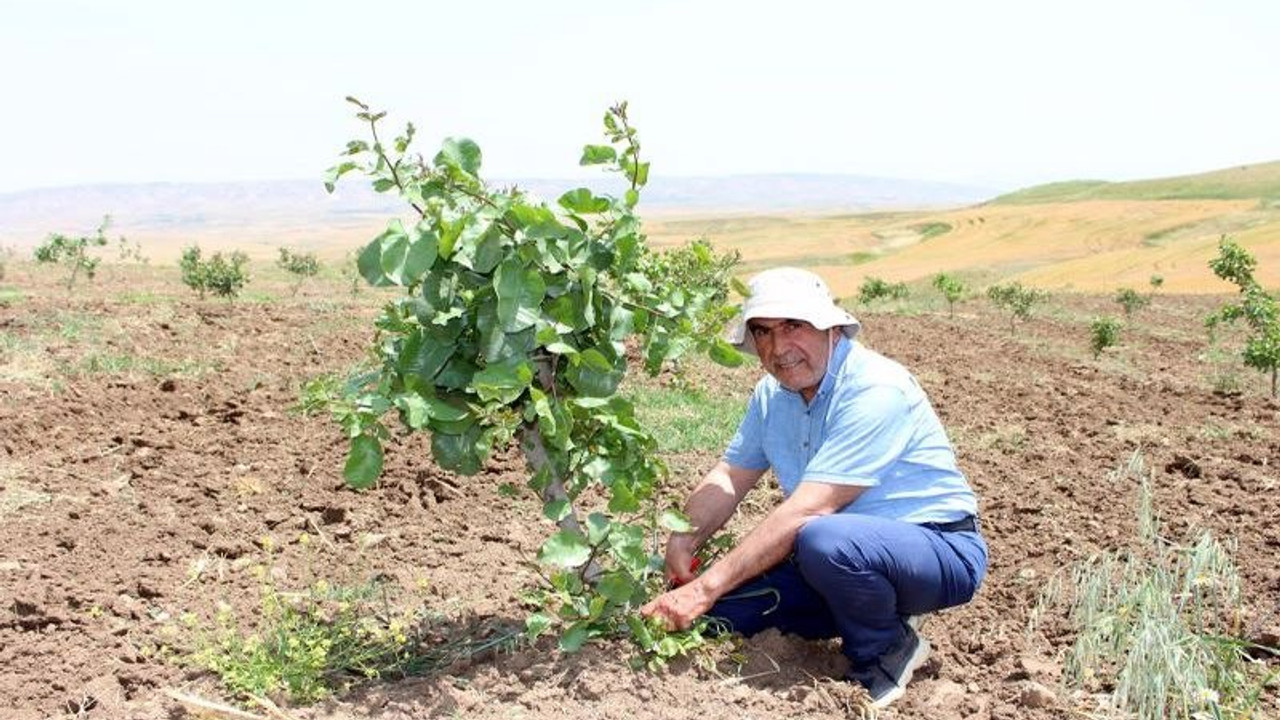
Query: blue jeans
[{"x": 858, "y": 576}]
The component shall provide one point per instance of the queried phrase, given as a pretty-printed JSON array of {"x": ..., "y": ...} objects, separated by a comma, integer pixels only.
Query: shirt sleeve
[
  {"x": 866, "y": 434},
  {"x": 746, "y": 450}
]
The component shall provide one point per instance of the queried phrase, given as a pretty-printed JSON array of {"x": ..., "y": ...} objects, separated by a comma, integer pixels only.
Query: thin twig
[
  {"x": 743, "y": 678},
  {"x": 200, "y": 706}
]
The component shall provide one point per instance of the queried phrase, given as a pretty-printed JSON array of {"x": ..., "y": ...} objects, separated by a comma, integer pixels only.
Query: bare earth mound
[{"x": 150, "y": 460}]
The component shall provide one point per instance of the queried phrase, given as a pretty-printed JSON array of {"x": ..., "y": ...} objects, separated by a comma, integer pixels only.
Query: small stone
[
  {"x": 1035, "y": 695},
  {"x": 1034, "y": 668}
]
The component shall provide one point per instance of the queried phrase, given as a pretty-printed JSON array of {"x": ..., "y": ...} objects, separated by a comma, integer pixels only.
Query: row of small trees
[
  {"x": 226, "y": 275},
  {"x": 220, "y": 275},
  {"x": 1259, "y": 309}
]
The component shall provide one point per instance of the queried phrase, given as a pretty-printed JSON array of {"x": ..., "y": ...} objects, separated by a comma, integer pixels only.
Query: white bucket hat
[{"x": 793, "y": 294}]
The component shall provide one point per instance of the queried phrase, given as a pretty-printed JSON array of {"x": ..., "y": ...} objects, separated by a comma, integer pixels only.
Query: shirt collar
[{"x": 835, "y": 364}]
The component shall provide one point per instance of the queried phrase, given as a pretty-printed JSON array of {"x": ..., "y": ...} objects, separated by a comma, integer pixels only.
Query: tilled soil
[{"x": 151, "y": 461}]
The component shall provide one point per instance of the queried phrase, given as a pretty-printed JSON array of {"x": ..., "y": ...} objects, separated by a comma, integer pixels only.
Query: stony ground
[{"x": 152, "y": 468}]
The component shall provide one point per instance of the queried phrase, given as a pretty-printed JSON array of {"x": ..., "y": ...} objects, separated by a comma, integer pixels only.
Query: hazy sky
[{"x": 999, "y": 93}]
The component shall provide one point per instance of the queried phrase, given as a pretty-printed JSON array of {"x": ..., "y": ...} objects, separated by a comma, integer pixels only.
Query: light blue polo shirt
[{"x": 869, "y": 424}]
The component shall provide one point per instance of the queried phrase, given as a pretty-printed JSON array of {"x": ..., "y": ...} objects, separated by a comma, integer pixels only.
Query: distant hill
[
  {"x": 290, "y": 207},
  {"x": 1260, "y": 182}
]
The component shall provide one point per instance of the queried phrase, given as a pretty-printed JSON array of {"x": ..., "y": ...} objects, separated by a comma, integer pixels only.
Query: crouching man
[{"x": 878, "y": 525}]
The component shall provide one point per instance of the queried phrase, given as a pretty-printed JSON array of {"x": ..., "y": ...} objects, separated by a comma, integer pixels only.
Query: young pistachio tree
[
  {"x": 1256, "y": 306},
  {"x": 952, "y": 289},
  {"x": 1016, "y": 300},
  {"x": 514, "y": 327},
  {"x": 73, "y": 252}
]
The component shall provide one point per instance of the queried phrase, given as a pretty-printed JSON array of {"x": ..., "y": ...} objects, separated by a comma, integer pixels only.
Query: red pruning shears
[{"x": 693, "y": 567}]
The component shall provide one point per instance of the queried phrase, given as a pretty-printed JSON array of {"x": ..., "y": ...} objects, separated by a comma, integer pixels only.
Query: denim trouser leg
[{"x": 856, "y": 576}]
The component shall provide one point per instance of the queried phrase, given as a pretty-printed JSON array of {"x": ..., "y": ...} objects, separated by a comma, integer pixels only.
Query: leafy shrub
[
  {"x": 127, "y": 252},
  {"x": 514, "y": 327},
  {"x": 952, "y": 289},
  {"x": 1104, "y": 332},
  {"x": 873, "y": 288},
  {"x": 298, "y": 264},
  {"x": 1015, "y": 299},
  {"x": 1131, "y": 300},
  {"x": 1156, "y": 282},
  {"x": 222, "y": 276},
  {"x": 73, "y": 252},
  {"x": 1257, "y": 307},
  {"x": 350, "y": 273},
  {"x": 1160, "y": 626}
]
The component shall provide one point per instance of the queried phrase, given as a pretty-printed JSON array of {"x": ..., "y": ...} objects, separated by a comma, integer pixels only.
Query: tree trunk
[{"x": 535, "y": 450}]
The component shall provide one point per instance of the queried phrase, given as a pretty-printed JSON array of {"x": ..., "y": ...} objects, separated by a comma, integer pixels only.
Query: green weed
[
  {"x": 122, "y": 363},
  {"x": 687, "y": 419},
  {"x": 313, "y": 643}
]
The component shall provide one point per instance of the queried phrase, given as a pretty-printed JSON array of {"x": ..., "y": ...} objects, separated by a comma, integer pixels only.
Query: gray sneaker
[{"x": 886, "y": 680}]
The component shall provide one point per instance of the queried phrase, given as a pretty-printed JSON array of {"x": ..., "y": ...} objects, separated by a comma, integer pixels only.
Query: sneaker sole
[{"x": 918, "y": 658}]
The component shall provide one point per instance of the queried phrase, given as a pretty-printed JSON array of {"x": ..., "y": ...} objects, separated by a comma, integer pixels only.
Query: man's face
[{"x": 792, "y": 351}]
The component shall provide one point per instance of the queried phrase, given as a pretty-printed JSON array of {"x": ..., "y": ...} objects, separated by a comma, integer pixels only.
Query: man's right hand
[{"x": 680, "y": 559}]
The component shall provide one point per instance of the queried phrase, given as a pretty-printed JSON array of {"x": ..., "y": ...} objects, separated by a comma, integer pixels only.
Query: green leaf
[
  {"x": 740, "y": 287},
  {"x": 395, "y": 246},
  {"x": 536, "y": 624},
  {"x": 594, "y": 359},
  {"x": 566, "y": 549},
  {"x": 593, "y": 375},
  {"x": 598, "y": 527},
  {"x": 568, "y": 310},
  {"x": 369, "y": 263},
  {"x": 459, "y": 153},
  {"x": 725, "y": 354},
  {"x": 423, "y": 250},
  {"x": 675, "y": 521},
  {"x": 640, "y": 631},
  {"x": 556, "y": 510},
  {"x": 364, "y": 462},
  {"x": 489, "y": 251},
  {"x": 422, "y": 358},
  {"x": 618, "y": 587},
  {"x": 499, "y": 346},
  {"x": 456, "y": 452},
  {"x": 574, "y": 638},
  {"x": 414, "y": 409},
  {"x": 445, "y": 411},
  {"x": 582, "y": 201},
  {"x": 598, "y": 155},
  {"x": 504, "y": 381},
  {"x": 457, "y": 373},
  {"x": 622, "y": 500},
  {"x": 520, "y": 293},
  {"x": 337, "y": 171}
]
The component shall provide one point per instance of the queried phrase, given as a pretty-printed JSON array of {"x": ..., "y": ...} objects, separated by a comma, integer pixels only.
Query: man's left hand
[{"x": 678, "y": 608}]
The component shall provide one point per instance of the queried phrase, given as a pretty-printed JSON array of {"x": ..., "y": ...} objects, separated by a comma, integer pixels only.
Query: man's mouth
[{"x": 787, "y": 364}]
